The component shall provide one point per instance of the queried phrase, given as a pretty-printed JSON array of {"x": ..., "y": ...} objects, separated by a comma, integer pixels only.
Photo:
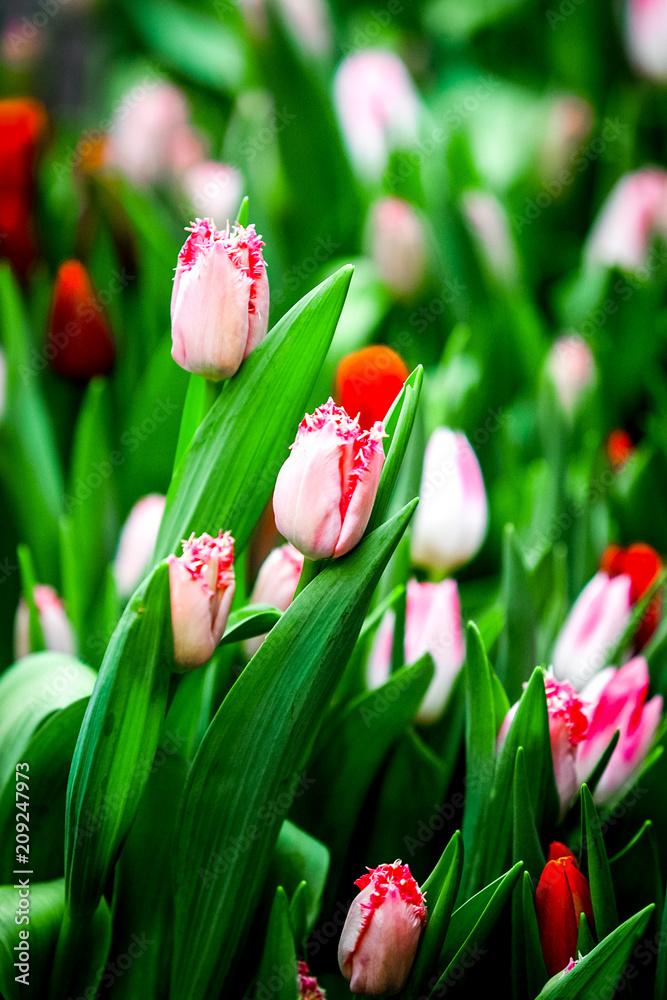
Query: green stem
[{"x": 311, "y": 568}]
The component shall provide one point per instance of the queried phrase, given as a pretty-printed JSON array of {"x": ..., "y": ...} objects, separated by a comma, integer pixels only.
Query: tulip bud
[
  {"x": 619, "y": 448},
  {"x": 398, "y": 246},
  {"x": 562, "y": 895},
  {"x": 592, "y": 629},
  {"x": 571, "y": 366},
  {"x": 490, "y": 229},
  {"x": 568, "y": 124},
  {"x": 144, "y": 130},
  {"x": 307, "y": 984},
  {"x": 23, "y": 123},
  {"x": 646, "y": 37},
  {"x": 617, "y": 701},
  {"x": 378, "y": 108},
  {"x": 201, "y": 583},
  {"x": 276, "y": 583},
  {"x": 214, "y": 190},
  {"x": 568, "y": 725},
  {"x": 325, "y": 491},
  {"x": 633, "y": 214},
  {"x": 368, "y": 382},
  {"x": 137, "y": 542},
  {"x": 80, "y": 345},
  {"x": 451, "y": 519},
  {"x": 382, "y": 931},
  {"x": 643, "y": 565},
  {"x": 432, "y": 625},
  {"x": 220, "y": 300},
  {"x": 57, "y": 631}
]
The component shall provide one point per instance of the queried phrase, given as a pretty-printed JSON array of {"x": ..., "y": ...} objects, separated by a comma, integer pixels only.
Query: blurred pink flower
[
  {"x": 309, "y": 21},
  {"x": 490, "y": 229},
  {"x": 214, "y": 190},
  {"x": 634, "y": 212},
  {"x": 326, "y": 489},
  {"x": 188, "y": 148},
  {"x": 398, "y": 246},
  {"x": 378, "y": 108},
  {"x": 57, "y": 630},
  {"x": 572, "y": 369},
  {"x": 646, "y": 37},
  {"x": 147, "y": 124},
  {"x": 275, "y": 584},
  {"x": 432, "y": 625},
  {"x": 137, "y": 542},
  {"x": 201, "y": 583},
  {"x": 568, "y": 125},
  {"x": 220, "y": 299}
]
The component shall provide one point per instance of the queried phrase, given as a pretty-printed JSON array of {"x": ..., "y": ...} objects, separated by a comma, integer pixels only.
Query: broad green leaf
[
  {"x": 28, "y": 584},
  {"x": 245, "y": 777},
  {"x": 254, "y": 619},
  {"x": 91, "y": 940},
  {"x": 199, "y": 397},
  {"x": 471, "y": 922},
  {"x": 535, "y": 971},
  {"x": 274, "y": 981},
  {"x": 598, "y": 972},
  {"x": 243, "y": 440},
  {"x": 300, "y": 858},
  {"x": 525, "y": 841},
  {"x": 517, "y": 645},
  {"x": 585, "y": 940},
  {"x": 298, "y": 915},
  {"x": 31, "y": 690},
  {"x": 597, "y": 863},
  {"x": 47, "y": 901}
]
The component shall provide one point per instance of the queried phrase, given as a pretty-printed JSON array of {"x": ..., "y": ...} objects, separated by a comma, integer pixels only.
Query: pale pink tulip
[
  {"x": 219, "y": 301},
  {"x": 214, "y": 190},
  {"x": 617, "y": 701},
  {"x": 452, "y": 516},
  {"x": 188, "y": 148},
  {"x": 309, "y": 21},
  {"x": 490, "y": 229},
  {"x": 137, "y": 542},
  {"x": 633, "y": 214},
  {"x": 275, "y": 584},
  {"x": 593, "y": 628},
  {"x": 646, "y": 37},
  {"x": 201, "y": 584},
  {"x": 571, "y": 367},
  {"x": 378, "y": 108},
  {"x": 145, "y": 127},
  {"x": 568, "y": 124},
  {"x": 325, "y": 491},
  {"x": 57, "y": 630},
  {"x": 398, "y": 245},
  {"x": 382, "y": 931},
  {"x": 432, "y": 625}
]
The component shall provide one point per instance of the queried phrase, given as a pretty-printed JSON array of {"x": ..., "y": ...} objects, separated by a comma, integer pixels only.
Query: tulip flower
[
  {"x": 451, "y": 519},
  {"x": 56, "y": 628},
  {"x": 571, "y": 367},
  {"x": 145, "y": 130},
  {"x": 646, "y": 37},
  {"x": 562, "y": 895},
  {"x": 80, "y": 344},
  {"x": 308, "y": 21},
  {"x": 617, "y": 701},
  {"x": 568, "y": 725},
  {"x": 368, "y": 382},
  {"x": 325, "y": 491},
  {"x": 619, "y": 448},
  {"x": 490, "y": 229},
  {"x": 633, "y": 214},
  {"x": 23, "y": 123},
  {"x": 432, "y": 625},
  {"x": 137, "y": 542},
  {"x": 220, "y": 299},
  {"x": 592, "y": 629},
  {"x": 643, "y": 565},
  {"x": 307, "y": 984},
  {"x": 378, "y": 108},
  {"x": 382, "y": 931},
  {"x": 568, "y": 125},
  {"x": 398, "y": 246},
  {"x": 214, "y": 190},
  {"x": 201, "y": 583},
  {"x": 276, "y": 583}
]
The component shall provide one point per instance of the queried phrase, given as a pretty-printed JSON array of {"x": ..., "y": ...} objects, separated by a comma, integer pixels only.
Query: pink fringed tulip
[
  {"x": 452, "y": 515},
  {"x": 646, "y": 37},
  {"x": 326, "y": 489},
  {"x": 398, "y": 246},
  {"x": 617, "y": 700},
  {"x": 145, "y": 131},
  {"x": 432, "y": 625},
  {"x": 635, "y": 211},
  {"x": 571, "y": 367},
  {"x": 378, "y": 108},
  {"x": 382, "y": 931},
  {"x": 307, "y": 984},
  {"x": 220, "y": 300},
  {"x": 276, "y": 583},
  {"x": 201, "y": 584},
  {"x": 567, "y": 728},
  {"x": 137, "y": 542},
  {"x": 595, "y": 624},
  {"x": 57, "y": 631}
]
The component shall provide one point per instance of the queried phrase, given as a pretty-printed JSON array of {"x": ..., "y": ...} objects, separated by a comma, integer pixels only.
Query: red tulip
[
  {"x": 619, "y": 447},
  {"x": 642, "y": 564},
  {"x": 563, "y": 894},
  {"x": 22, "y": 125},
  {"x": 80, "y": 343},
  {"x": 368, "y": 382}
]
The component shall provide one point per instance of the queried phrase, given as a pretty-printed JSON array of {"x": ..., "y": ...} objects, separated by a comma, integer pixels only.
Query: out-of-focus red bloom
[
  {"x": 619, "y": 447},
  {"x": 22, "y": 126},
  {"x": 563, "y": 894},
  {"x": 642, "y": 564},
  {"x": 368, "y": 382},
  {"x": 80, "y": 344}
]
